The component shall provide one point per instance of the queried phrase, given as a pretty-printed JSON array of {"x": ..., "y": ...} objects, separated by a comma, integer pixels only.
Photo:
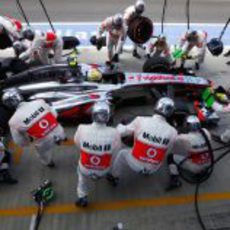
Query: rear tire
[{"x": 156, "y": 65}]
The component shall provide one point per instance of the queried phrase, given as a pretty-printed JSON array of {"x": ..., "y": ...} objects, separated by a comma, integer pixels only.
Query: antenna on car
[
  {"x": 187, "y": 10},
  {"x": 163, "y": 16},
  {"x": 47, "y": 15},
  {"x": 19, "y": 5}
]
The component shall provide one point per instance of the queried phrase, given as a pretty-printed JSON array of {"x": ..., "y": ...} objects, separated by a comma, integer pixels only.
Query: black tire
[
  {"x": 156, "y": 65},
  {"x": 140, "y": 30}
]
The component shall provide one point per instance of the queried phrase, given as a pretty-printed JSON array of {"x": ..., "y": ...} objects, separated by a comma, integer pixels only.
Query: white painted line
[{"x": 32, "y": 222}]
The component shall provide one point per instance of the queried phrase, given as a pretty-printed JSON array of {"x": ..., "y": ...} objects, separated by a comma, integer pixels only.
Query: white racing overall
[
  {"x": 200, "y": 44},
  {"x": 114, "y": 37},
  {"x": 129, "y": 15},
  {"x": 194, "y": 149},
  {"x": 36, "y": 121},
  {"x": 98, "y": 145},
  {"x": 153, "y": 139},
  {"x": 42, "y": 46}
]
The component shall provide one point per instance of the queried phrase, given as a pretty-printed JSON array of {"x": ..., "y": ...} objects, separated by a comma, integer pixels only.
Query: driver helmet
[
  {"x": 117, "y": 21},
  {"x": 94, "y": 75},
  {"x": 165, "y": 107},
  {"x": 101, "y": 112},
  {"x": 139, "y": 7},
  {"x": 192, "y": 36},
  {"x": 193, "y": 123},
  {"x": 28, "y": 33},
  {"x": 12, "y": 98}
]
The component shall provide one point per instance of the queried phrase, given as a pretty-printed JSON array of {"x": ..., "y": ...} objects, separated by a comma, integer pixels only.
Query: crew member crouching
[
  {"x": 194, "y": 157},
  {"x": 153, "y": 140}
]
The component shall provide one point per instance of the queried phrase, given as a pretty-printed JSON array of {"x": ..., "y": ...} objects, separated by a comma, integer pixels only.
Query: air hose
[{"x": 43, "y": 195}]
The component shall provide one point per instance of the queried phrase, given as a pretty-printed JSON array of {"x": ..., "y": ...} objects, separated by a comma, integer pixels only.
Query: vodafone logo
[
  {"x": 95, "y": 160},
  {"x": 43, "y": 124},
  {"x": 151, "y": 153}
]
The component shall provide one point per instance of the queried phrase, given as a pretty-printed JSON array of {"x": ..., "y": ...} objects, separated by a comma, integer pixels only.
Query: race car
[{"x": 70, "y": 92}]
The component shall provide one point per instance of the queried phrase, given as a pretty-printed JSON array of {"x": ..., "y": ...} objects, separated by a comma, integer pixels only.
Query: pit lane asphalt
[
  {"x": 210, "y": 11},
  {"x": 132, "y": 188},
  {"x": 140, "y": 203}
]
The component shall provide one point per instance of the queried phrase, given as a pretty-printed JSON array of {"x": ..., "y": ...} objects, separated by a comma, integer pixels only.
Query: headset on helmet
[
  {"x": 12, "y": 98},
  {"x": 139, "y": 6},
  {"x": 28, "y": 33},
  {"x": 117, "y": 20},
  {"x": 101, "y": 112},
  {"x": 165, "y": 107},
  {"x": 193, "y": 123}
]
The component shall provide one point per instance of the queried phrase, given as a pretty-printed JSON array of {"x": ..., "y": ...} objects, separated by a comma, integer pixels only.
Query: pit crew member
[
  {"x": 34, "y": 121},
  {"x": 45, "y": 48},
  {"x": 130, "y": 14},
  {"x": 98, "y": 145},
  {"x": 115, "y": 33},
  {"x": 191, "y": 149},
  {"x": 192, "y": 39},
  {"x": 153, "y": 140}
]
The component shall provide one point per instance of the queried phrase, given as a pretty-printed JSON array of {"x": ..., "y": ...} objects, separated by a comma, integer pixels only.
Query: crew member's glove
[{"x": 115, "y": 58}]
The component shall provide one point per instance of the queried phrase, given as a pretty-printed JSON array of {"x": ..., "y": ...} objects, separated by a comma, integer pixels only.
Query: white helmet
[
  {"x": 165, "y": 107},
  {"x": 12, "y": 98},
  {"x": 140, "y": 6},
  {"x": 193, "y": 123},
  {"x": 117, "y": 20},
  {"x": 101, "y": 112}
]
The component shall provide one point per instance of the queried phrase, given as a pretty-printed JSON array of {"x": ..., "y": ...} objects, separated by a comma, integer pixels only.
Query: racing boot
[
  {"x": 112, "y": 180},
  {"x": 82, "y": 202},
  {"x": 136, "y": 55},
  {"x": 227, "y": 54},
  {"x": 7, "y": 177},
  {"x": 174, "y": 183}
]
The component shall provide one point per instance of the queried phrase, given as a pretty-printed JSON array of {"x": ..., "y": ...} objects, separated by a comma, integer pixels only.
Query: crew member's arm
[
  {"x": 126, "y": 130},
  {"x": 102, "y": 28},
  {"x": 120, "y": 41},
  {"x": 33, "y": 49},
  {"x": 58, "y": 50},
  {"x": 20, "y": 138},
  {"x": 183, "y": 40}
]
